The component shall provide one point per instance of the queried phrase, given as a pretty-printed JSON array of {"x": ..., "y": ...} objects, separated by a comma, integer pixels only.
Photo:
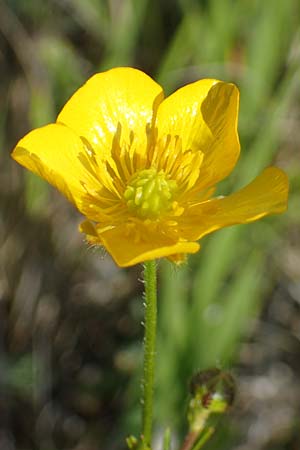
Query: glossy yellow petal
[
  {"x": 127, "y": 250},
  {"x": 204, "y": 115},
  {"x": 267, "y": 194},
  {"x": 120, "y": 102},
  {"x": 56, "y": 153}
]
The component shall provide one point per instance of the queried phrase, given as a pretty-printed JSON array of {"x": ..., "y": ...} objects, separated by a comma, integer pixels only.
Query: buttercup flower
[{"x": 143, "y": 169}]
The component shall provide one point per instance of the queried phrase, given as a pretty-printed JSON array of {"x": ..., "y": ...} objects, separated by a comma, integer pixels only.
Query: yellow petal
[
  {"x": 56, "y": 153},
  {"x": 204, "y": 115},
  {"x": 126, "y": 250},
  {"x": 267, "y": 194},
  {"x": 122, "y": 100}
]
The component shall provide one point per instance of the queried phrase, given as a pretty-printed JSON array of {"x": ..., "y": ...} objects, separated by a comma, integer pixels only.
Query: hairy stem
[{"x": 150, "y": 279}]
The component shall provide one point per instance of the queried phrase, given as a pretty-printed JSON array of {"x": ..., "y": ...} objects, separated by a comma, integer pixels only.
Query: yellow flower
[{"x": 142, "y": 169}]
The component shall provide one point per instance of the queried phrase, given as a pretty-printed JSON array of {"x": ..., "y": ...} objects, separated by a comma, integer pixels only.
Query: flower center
[{"x": 150, "y": 193}]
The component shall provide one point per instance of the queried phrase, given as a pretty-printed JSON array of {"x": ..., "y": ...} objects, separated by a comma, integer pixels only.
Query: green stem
[
  {"x": 202, "y": 441},
  {"x": 149, "y": 350},
  {"x": 191, "y": 443}
]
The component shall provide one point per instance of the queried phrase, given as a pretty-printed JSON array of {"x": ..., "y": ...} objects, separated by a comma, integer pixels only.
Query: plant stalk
[{"x": 150, "y": 279}]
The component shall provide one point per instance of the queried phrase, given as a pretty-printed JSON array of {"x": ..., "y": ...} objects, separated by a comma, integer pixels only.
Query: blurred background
[{"x": 70, "y": 320}]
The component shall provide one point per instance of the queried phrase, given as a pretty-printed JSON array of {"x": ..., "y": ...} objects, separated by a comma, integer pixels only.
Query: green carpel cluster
[{"x": 150, "y": 193}]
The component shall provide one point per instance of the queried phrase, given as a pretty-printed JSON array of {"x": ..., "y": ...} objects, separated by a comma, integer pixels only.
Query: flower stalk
[{"x": 150, "y": 279}]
